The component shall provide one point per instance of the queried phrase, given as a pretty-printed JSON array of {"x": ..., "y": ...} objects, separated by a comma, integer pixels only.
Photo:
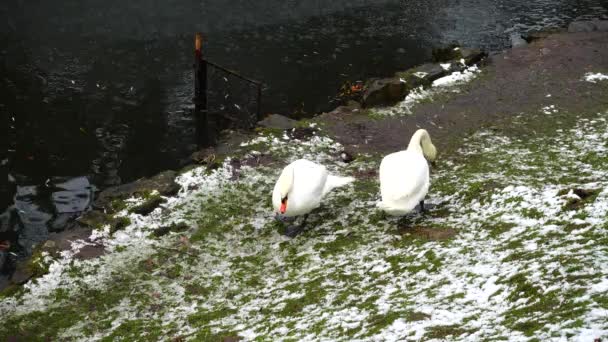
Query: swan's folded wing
[
  {"x": 403, "y": 176},
  {"x": 309, "y": 177}
]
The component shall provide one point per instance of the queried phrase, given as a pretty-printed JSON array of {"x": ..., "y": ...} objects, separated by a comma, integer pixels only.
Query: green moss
[
  {"x": 341, "y": 244},
  {"x": 445, "y": 331},
  {"x": 119, "y": 223},
  {"x": 481, "y": 191},
  {"x": 203, "y": 316},
  {"x": 150, "y": 203},
  {"x": 269, "y": 131},
  {"x": 497, "y": 227},
  {"x": 378, "y": 322},
  {"x": 140, "y": 330},
  {"x": 117, "y": 205},
  {"x": 40, "y": 325},
  {"x": 532, "y": 213},
  {"x": 14, "y": 291},
  {"x": 552, "y": 305},
  {"x": 314, "y": 294},
  {"x": 48, "y": 324},
  {"x": 37, "y": 265},
  {"x": 522, "y": 287}
]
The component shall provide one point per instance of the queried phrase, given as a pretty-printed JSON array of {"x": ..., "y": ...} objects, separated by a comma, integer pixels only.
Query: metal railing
[{"x": 222, "y": 93}]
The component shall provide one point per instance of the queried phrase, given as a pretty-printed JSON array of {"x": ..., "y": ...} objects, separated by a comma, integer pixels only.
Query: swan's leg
[
  {"x": 304, "y": 220},
  {"x": 294, "y": 230},
  {"x": 422, "y": 207}
]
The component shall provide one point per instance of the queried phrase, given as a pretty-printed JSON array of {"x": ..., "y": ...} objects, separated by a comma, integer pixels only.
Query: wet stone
[
  {"x": 278, "y": 121},
  {"x": 445, "y": 54},
  {"x": 93, "y": 219},
  {"x": 22, "y": 273},
  {"x": 384, "y": 92},
  {"x": 301, "y": 133},
  {"x": 204, "y": 156},
  {"x": 472, "y": 56}
]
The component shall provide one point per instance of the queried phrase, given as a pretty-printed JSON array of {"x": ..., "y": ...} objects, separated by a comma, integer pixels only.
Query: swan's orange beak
[{"x": 283, "y": 207}]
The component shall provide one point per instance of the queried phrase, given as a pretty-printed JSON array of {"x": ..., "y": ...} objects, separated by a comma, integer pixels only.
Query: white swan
[
  {"x": 404, "y": 175},
  {"x": 301, "y": 186}
]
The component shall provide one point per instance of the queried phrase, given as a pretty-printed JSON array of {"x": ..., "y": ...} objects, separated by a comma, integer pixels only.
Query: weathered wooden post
[{"x": 200, "y": 92}]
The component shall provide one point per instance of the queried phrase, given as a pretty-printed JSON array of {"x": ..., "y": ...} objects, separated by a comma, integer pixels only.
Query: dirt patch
[
  {"x": 366, "y": 174},
  {"x": 250, "y": 160},
  {"x": 428, "y": 233},
  {"x": 546, "y": 72}
]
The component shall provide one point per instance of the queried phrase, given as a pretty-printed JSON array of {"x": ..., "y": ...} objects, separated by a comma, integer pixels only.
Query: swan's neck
[
  {"x": 421, "y": 143},
  {"x": 286, "y": 181}
]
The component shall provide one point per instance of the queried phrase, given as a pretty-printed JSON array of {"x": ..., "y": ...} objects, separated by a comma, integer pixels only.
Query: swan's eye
[{"x": 284, "y": 199}]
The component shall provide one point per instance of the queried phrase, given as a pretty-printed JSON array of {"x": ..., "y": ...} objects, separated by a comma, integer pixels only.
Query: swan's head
[
  {"x": 429, "y": 151},
  {"x": 283, "y": 187},
  {"x": 421, "y": 140}
]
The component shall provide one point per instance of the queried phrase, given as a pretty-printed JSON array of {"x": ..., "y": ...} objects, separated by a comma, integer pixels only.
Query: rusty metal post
[
  {"x": 259, "y": 109},
  {"x": 200, "y": 91},
  {"x": 5, "y": 145}
]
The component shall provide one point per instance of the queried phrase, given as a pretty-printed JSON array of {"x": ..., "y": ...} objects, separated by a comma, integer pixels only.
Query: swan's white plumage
[
  {"x": 404, "y": 175},
  {"x": 305, "y": 183}
]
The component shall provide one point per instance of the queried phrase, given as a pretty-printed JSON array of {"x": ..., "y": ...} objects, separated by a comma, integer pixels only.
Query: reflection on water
[
  {"x": 101, "y": 90},
  {"x": 38, "y": 210}
]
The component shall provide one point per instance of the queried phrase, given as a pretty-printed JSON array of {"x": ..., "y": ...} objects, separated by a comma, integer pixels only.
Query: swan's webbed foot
[
  {"x": 284, "y": 219},
  {"x": 293, "y": 230}
]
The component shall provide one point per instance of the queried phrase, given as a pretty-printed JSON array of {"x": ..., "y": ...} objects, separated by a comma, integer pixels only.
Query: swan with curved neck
[
  {"x": 301, "y": 187},
  {"x": 404, "y": 175}
]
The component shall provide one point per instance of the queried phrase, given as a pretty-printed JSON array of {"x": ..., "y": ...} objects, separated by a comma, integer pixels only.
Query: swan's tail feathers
[{"x": 333, "y": 182}]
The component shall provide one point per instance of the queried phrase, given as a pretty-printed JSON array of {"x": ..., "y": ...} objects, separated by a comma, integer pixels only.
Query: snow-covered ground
[{"x": 514, "y": 248}]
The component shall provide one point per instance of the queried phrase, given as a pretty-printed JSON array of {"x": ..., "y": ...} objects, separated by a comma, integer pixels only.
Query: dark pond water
[{"x": 96, "y": 93}]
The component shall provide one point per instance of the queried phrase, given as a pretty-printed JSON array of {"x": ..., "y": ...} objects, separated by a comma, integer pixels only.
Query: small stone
[
  {"x": 49, "y": 245},
  {"x": 472, "y": 56},
  {"x": 346, "y": 157},
  {"x": 517, "y": 40},
  {"x": 204, "y": 156}
]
